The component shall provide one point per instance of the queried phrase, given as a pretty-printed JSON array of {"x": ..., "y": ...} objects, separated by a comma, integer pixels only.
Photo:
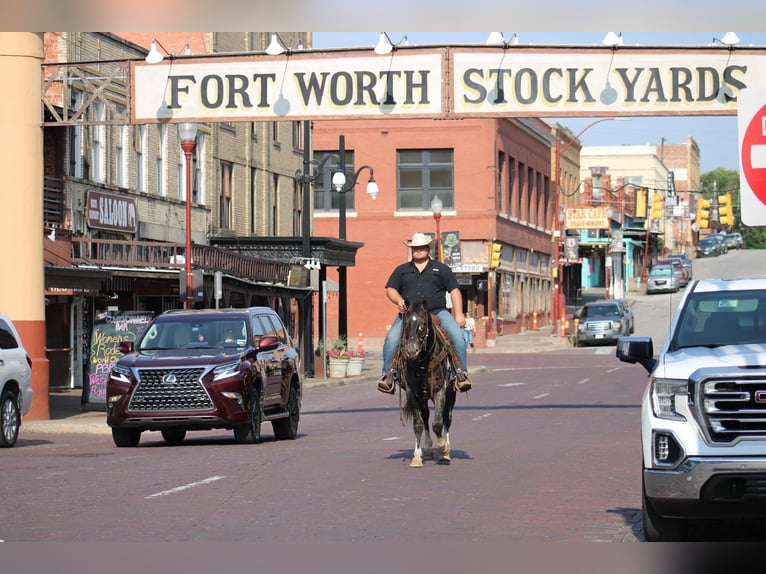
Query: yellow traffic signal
[
  {"x": 703, "y": 213},
  {"x": 658, "y": 206},
  {"x": 495, "y": 249},
  {"x": 725, "y": 212},
  {"x": 641, "y": 199}
]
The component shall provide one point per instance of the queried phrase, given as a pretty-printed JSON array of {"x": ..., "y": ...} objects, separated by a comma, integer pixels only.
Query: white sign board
[{"x": 751, "y": 121}]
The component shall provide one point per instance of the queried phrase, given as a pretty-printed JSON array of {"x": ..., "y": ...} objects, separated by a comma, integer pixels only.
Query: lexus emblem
[
  {"x": 170, "y": 379},
  {"x": 760, "y": 396}
]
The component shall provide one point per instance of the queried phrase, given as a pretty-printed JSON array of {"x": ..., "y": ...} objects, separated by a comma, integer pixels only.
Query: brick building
[{"x": 493, "y": 178}]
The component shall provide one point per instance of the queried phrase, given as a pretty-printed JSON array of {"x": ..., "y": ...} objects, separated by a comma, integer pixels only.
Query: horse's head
[{"x": 414, "y": 331}]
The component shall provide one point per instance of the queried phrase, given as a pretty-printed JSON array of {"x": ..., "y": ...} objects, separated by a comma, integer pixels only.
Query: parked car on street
[
  {"x": 678, "y": 268},
  {"x": 719, "y": 237},
  {"x": 206, "y": 369},
  {"x": 733, "y": 241},
  {"x": 703, "y": 412},
  {"x": 708, "y": 247},
  {"x": 628, "y": 312},
  {"x": 15, "y": 382},
  {"x": 685, "y": 261},
  {"x": 601, "y": 321},
  {"x": 663, "y": 278}
]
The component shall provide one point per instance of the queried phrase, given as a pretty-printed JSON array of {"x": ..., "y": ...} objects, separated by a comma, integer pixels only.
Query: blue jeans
[{"x": 448, "y": 323}]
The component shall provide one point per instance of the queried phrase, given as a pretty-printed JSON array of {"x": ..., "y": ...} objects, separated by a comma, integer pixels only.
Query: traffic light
[
  {"x": 725, "y": 212},
  {"x": 703, "y": 213},
  {"x": 495, "y": 249},
  {"x": 658, "y": 206},
  {"x": 641, "y": 200}
]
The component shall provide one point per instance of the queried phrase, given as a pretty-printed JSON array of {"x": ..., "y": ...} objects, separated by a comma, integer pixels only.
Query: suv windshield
[
  {"x": 194, "y": 333},
  {"x": 722, "y": 318}
]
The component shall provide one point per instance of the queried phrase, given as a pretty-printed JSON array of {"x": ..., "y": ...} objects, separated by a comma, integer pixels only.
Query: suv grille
[
  {"x": 733, "y": 407},
  {"x": 186, "y": 393}
]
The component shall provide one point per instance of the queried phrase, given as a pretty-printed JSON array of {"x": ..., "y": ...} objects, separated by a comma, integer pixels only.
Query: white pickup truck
[{"x": 703, "y": 413}]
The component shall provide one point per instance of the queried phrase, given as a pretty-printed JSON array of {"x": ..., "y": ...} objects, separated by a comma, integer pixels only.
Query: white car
[
  {"x": 15, "y": 382},
  {"x": 703, "y": 413}
]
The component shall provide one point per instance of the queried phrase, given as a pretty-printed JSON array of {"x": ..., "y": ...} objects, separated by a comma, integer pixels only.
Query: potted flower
[
  {"x": 337, "y": 358},
  {"x": 355, "y": 363}
]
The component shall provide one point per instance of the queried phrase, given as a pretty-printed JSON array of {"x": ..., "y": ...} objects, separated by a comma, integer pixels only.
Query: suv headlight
[
  {"x": 121, "y": 374},
  {"x": 226, "y": 370},
  {"x": 664, "y": 393}
]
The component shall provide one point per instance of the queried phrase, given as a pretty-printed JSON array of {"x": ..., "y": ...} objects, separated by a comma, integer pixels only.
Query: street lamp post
[
  {"x": 436, "y": 207},
  {"x": 559, "y": 300},
  {"x": 187, "y": 131},
  {"x": 342, "y": 185}
]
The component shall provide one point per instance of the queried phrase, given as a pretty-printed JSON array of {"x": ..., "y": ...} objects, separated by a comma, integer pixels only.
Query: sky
[{"x": 715, "y": 135}]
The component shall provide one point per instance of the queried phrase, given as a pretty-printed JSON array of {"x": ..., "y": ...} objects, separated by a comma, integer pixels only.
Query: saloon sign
[
  {"x": 111, "y": 212},
  {"x": 447, "y": 82}
]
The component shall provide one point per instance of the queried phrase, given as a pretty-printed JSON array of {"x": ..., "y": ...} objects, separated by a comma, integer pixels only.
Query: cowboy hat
[{"x": 420, "y": 240}]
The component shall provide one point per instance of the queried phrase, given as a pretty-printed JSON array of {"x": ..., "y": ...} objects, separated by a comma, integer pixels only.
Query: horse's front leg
[
  {"x": 428, "y": 444},
  {"x": 417, "y": 426}
]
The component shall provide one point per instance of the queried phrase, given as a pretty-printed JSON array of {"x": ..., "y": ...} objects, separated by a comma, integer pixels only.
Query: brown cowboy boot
[
  {"x": 462, "y": 382},
  {"x": 386, "y": 384}
]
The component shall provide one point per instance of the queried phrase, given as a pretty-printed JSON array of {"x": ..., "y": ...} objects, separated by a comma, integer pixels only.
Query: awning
[{"x": 75, "y": 278}]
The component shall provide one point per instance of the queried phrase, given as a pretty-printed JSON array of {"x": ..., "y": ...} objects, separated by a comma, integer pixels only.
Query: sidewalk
[{"x": 67, "y": 415}]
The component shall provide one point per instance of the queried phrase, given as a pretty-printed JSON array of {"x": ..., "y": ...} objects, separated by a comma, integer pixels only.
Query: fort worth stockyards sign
[{"x": 447, "y": 82}]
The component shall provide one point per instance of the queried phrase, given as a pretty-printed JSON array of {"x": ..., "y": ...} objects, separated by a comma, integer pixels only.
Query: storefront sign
[
  {"x": 109, "y": 329},
  {"x": 448, "y": 82},
  {"x": 112, "y": 212},
  {"x": 587, "y": 218}
]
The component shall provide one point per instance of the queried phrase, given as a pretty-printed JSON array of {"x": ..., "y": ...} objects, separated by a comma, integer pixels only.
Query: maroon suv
[{"x": 206, "y": 369}]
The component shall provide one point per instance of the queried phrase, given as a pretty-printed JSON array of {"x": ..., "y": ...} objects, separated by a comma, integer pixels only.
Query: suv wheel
[
  {"x": 10, "y": 419},
  {"x": 287, "y": 428},
  {"x": 658, "y": 528},
  {"x": 174, "y": 436},
  {"x": 250, "y": 433},
  {"x": 126, "y": 437}
]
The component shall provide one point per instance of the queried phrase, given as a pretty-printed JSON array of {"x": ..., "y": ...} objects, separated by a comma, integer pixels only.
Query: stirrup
[
  {"x": 384, "y": 386},
  {"x": 462, "y": 382}
]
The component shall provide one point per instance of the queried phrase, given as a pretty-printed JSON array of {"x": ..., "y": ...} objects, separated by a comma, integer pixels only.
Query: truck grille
[
  {"x": 598, "y": 326},
  {"x": 733, "y": 407},
  {"x": 155, "y": 393}
]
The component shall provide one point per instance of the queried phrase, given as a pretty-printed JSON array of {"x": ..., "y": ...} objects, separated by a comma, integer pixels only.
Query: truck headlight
[{"x": 664, "y": 393}]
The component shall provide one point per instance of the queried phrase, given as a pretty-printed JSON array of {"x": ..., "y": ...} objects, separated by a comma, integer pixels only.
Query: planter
[
  {"x": 337, "y": 368},
  {"x": 355, "y": 365}
]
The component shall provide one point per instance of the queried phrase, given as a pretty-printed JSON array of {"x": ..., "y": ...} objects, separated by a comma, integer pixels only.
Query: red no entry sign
[{"x": 751, "y": 114}]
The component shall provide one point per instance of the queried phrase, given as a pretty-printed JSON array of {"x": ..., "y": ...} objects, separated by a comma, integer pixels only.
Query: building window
[
  {"x": 275, "y": 205},
  {"x": 98, "y": 143},
  {"x": 512, "y": 191},
  {"x": 499, "y": 181},
  {"x": 139, "y": 143},
  {"x": 423, "y": 174},
  {"x": 325, "y": 197},
  {"x": 76, "y": 156},
  {"x": 121, "y": 155},
  {"x": 161, "y": 150},
  {"x": 297, "y": 207},
  {"x": 198, "y": 170},
  {"x": 298, "y": 136},
  {"x": 224, "y": 201}
]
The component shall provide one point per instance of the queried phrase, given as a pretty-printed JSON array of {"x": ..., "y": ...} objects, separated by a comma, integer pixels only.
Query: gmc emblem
[{"x": 760, "y": 396}]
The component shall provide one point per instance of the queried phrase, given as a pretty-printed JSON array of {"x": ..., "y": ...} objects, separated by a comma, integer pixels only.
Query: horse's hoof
[
  {"x": 428, "y": 454},
  {"x": 416, "y": 463},
  {"x": 445, "y": 458}
]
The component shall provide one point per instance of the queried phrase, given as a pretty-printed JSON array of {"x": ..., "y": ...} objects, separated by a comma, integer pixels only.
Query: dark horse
[{"x": 426, "y": 374}]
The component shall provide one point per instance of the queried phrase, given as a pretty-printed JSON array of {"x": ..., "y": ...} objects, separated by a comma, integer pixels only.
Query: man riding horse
[{"x": 423, "y": 279}]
